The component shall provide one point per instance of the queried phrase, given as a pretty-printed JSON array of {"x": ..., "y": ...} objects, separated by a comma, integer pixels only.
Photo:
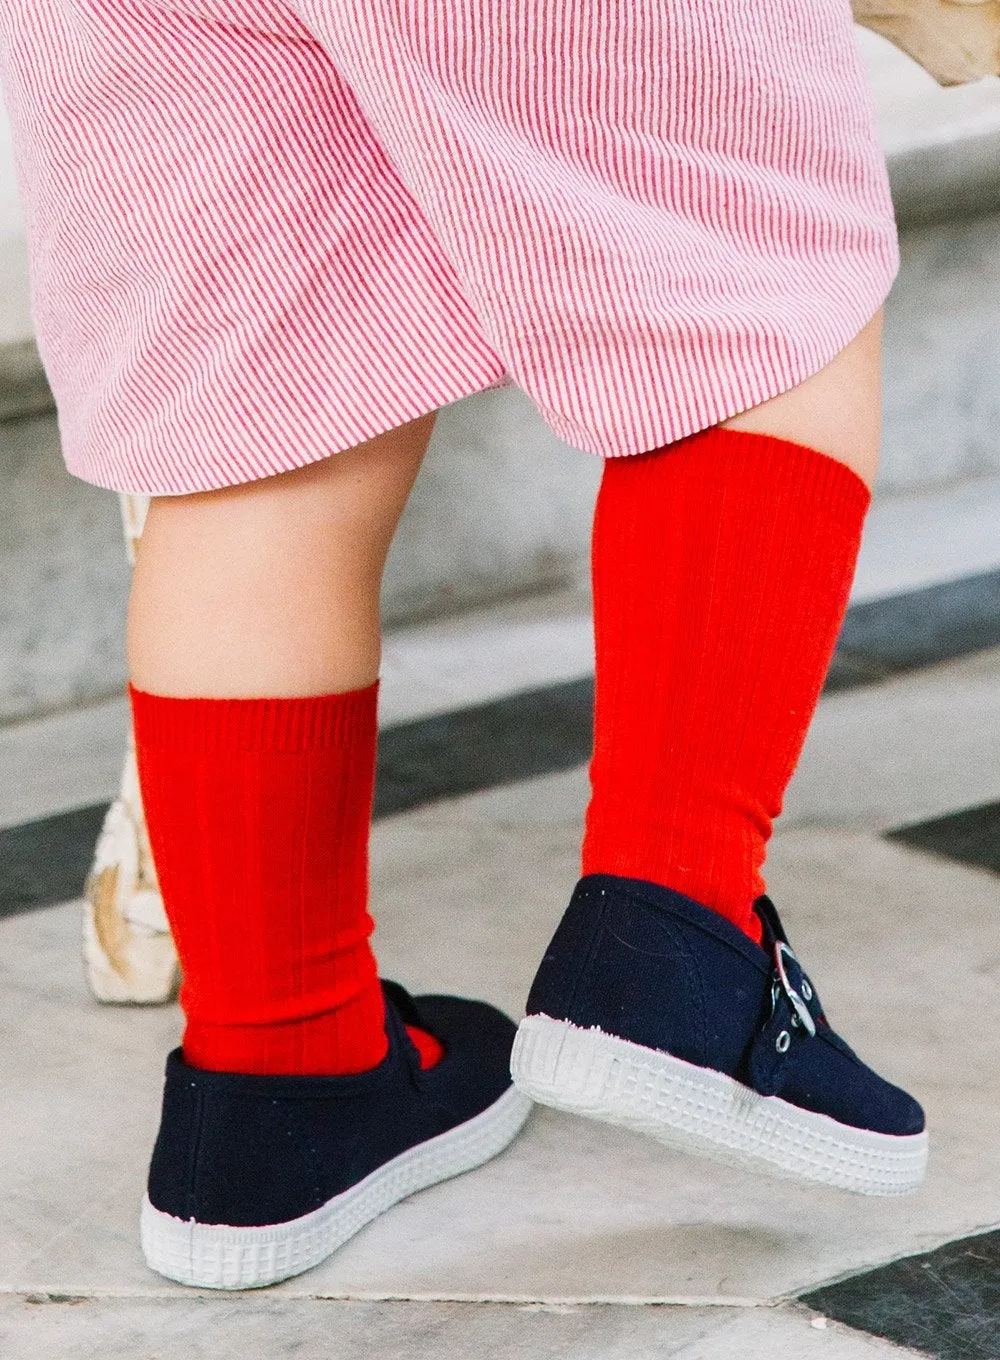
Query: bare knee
[{"x": 837, "y": 411}]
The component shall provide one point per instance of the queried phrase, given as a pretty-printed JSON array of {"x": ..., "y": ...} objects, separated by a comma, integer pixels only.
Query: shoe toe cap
[{"x": 830, "y": 1079}]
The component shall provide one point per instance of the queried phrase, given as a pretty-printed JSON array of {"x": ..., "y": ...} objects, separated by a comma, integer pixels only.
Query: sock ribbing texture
[
  {"x": 258, "y": 813},
  {"x": 722, "y": 568}
]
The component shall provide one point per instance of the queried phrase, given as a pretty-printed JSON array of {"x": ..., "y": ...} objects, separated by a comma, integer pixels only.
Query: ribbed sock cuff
[
  {"x": 790, "y": 469},
  {"x": 314, "y": 722}
]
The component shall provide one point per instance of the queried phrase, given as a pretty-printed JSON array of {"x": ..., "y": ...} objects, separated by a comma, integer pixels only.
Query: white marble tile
[
  {"x": 922, "y": 538},
  {"x": 484, "y": 655},
  {"x": 210, "y": 1328},
  {"x": 767, "y": 1333},
  {"x": 574, "y": 1211},
  {"x": 80, "y": 1087},
  {"x": 918, "y": 747},
  {"x": 63, "y": 761},
  {"x": 589, "y": 1212}
]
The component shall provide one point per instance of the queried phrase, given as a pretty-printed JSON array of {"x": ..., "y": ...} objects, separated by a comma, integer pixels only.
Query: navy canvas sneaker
[
  {"x": 653, "y": 1012},
  {"x": 255, "y": 1179}
]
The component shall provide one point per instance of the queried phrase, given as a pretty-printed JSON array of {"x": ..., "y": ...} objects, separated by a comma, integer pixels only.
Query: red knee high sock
[
  {"x": 258, "y": 814},
  {"x": 722, "y": 567}
]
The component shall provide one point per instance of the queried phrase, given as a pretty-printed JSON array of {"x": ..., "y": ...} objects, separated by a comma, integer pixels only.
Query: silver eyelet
[
  {"x": 781, "y": 951},
  {"x": 807, "y": 991},
  {"x": 783, "y": 1041}
]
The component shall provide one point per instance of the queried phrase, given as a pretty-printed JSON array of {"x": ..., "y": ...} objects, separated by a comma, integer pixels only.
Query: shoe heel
[
  {"x": 548, "y": 1064},
  {"x": 215, "y": 1256}
]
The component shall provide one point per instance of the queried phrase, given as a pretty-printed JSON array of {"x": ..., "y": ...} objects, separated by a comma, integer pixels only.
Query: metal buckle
[{"x": 798, "y": 1005}]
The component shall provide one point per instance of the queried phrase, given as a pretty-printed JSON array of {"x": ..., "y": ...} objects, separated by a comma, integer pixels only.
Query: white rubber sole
[
  {"x": 598, "y": 1075},
  {"x": 212, "y": 1256}
]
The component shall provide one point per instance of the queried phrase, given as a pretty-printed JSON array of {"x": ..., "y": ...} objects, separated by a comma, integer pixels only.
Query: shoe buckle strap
[{"x": 801, "y": 1015}]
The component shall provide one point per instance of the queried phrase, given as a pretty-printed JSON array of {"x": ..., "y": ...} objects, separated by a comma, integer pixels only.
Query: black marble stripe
[
  {"x": 971, "y": 836},
  {"x": 945, "y": 1303},
  {"x": 534, "y": 733},
  {"x": 540, "y": 732},
  {"x": 47, "y": 861},
  {"x": 902, "y": 633}
]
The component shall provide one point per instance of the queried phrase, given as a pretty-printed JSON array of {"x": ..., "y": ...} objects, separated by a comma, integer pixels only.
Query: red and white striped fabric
[{"x": 266, "y": 230}]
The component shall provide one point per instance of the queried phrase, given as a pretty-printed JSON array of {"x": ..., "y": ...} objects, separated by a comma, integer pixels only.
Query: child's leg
[
  {"x": 243, "y": 287},
  {"x": 310, "y": 1095},
  {"x": 272, "y": 588},
  {"x": 722, "y": 567},
  {"x": 254, "y": 652}
]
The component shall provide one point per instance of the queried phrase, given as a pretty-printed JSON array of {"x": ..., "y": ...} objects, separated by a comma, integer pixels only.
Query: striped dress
[{"x": 262, "y": 231}]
